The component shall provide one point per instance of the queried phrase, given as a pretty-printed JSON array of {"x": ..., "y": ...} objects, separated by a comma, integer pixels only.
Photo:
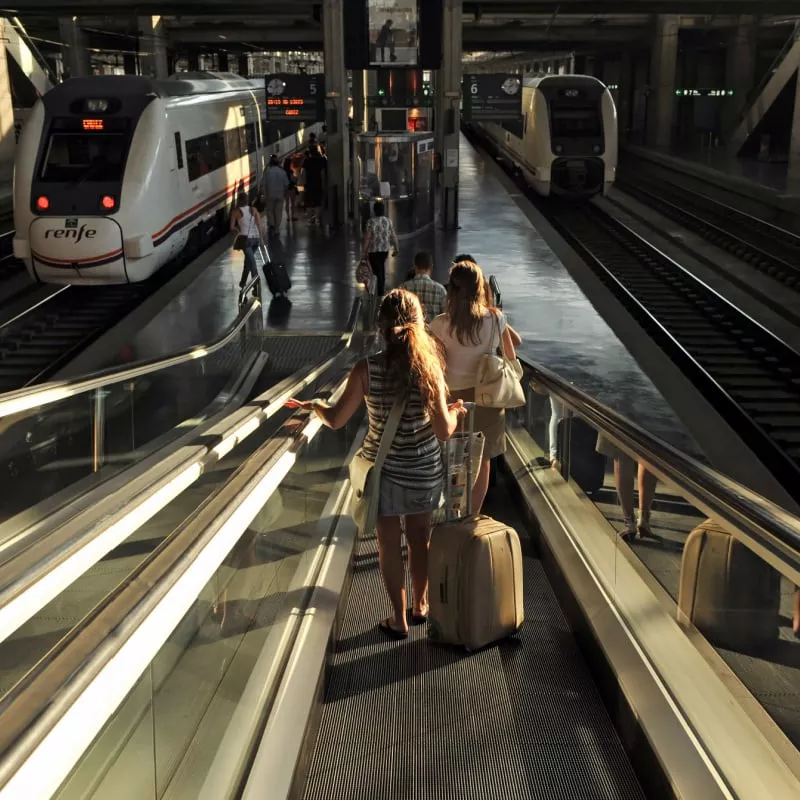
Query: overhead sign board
[
  {"x": 495, "y": 97},
  {"x": 295, "y": 98}
]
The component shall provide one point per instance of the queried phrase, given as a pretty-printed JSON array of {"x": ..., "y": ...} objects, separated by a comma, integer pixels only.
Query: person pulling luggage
[{"x": 246, "y": 225}]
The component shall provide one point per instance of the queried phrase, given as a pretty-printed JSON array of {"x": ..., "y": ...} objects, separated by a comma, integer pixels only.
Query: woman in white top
[
  {"x": 472, "y": 327},
  {"x": 379, "y": 237},
  {"x": 246, "y": 221}
]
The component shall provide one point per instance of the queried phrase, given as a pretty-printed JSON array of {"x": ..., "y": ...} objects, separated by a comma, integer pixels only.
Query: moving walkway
[{"x": 237, "y": 656}]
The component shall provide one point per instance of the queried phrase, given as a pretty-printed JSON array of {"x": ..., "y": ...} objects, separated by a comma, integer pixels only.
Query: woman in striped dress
[{"x": 412, "y": 478}]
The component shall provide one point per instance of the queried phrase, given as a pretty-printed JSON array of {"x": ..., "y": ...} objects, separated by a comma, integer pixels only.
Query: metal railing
[
  {"x": 52, "y": 392},
  {"x": 767, "y": 528}
]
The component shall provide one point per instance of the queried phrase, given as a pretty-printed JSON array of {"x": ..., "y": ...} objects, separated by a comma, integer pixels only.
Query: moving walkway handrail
[
  {"x": 34, "y": 565},
  {"x": 92, "y": 669},
  {"x": 770, "y": 530},
  {"x": 54, "y": 391}
]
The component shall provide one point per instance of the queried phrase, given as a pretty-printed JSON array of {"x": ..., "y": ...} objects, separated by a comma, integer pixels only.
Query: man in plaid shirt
[{"x": 431, "y": 294}]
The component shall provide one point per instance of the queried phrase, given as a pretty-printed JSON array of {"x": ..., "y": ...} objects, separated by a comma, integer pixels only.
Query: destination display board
[
  {"x": 493, "y": 97},
  {"x": 297, "y": 98}
]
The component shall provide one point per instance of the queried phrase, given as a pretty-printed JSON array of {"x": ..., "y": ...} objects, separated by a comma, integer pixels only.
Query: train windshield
[
  {"x": 80, "y": 156},
  {"x": 575, "y": 123}
]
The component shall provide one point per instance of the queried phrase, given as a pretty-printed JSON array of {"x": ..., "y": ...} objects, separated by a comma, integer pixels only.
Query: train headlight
[
  {"x": 96, "y": 106},
  {"x": 108, "y": 202},
  {"x": 42, "y": 203},
  {"x": 559, "y": 148},
  {"x": 596, "y": 149}
]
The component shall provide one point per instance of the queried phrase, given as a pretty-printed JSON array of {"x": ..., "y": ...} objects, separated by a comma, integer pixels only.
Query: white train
[
  {"x": 567, "y": 142},
  {"x": 115, "y": 174}
]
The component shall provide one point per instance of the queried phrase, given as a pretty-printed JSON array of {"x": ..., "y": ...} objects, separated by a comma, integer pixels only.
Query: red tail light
[
  {"x": 42, "y": 203},
  {"x": 108, "y": 202}
]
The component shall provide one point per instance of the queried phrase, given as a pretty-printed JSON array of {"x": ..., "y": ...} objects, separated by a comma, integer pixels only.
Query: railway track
[
  {"x": 750, "y": 376},
  {"x": 38, "y": 342},
  {"x": 766, "y": 247}
]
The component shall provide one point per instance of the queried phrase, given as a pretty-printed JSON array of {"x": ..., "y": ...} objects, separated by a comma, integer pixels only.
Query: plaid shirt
[{"x": 431, "y": 294}]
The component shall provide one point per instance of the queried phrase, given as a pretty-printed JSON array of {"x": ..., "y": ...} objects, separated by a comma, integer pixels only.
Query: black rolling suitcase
[
  {"x": 586, "y": 465},
  {"x": 278, "y": 280}
]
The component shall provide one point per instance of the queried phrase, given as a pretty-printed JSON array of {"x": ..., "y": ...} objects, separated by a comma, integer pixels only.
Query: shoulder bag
[
  {"x": 365, "y": 474},
  {"x": 498, "y": 383}
]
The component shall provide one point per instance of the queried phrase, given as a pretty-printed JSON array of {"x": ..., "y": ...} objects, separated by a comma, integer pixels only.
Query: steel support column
[
  {"x": 740, "y": 69},
  {"x": 663, "y": 65},
  {"x": 336, "y": 112},
  {"x": 448, "y": 98},
  {"x": 76, "y": 57},
  {"x": 153, "y": 47}
]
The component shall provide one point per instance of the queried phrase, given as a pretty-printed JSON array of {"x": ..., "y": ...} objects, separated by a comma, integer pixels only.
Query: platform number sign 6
[{"x": 474, "y": 88}]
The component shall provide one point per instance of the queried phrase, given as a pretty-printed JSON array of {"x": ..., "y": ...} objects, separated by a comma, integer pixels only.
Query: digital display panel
[
  {"x": 492, "y": 97},
  {"x": 93, "y": 125},
  {"x": 393, "y": 33},
  {"x": 300, "y": 98}
]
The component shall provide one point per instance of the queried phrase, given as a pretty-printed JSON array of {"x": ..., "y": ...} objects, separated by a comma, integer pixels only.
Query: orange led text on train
[{"x": 93, "y": 124}]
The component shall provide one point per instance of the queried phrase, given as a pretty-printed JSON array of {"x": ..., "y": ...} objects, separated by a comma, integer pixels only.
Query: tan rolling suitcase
[
  {"x": 474, "y": 570},
  {"x": 730, "y": 594}
]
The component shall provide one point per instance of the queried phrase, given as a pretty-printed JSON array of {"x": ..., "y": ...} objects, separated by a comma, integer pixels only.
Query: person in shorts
[
  {"x": 470, "y": 328},
  {"x": 412, "y": 477}
]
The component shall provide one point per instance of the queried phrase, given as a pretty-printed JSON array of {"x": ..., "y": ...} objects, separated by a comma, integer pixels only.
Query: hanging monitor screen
[
  {"x": 393, "y": 33},
  {"x": 299, "y": 98}
]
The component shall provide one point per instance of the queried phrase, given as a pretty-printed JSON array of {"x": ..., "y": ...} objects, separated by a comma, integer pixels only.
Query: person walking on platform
[
  {"x": 378, "y": 238},
  {"x": 625, "y": 475},
  {"x": 246, "y": 225},
  {"x": 315, "y": 168},
  {"x": 409, "y": 372},
  {"x": 276, "y": 185},
  {"x": 471, "y": 327},
  {"x": 431, "y": 294},
  {"x": 291, "y": 190}
]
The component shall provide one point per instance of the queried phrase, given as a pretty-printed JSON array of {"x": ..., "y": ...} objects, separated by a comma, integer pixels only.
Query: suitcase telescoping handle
[{"x": 448, "y": 483}]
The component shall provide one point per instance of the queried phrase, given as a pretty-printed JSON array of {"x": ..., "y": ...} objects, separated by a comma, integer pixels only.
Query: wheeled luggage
[
  {"x": 474, "y": 571},
  {"x": 586, "y": 466},
  {"x": 730, "y": 594},
  {"x": 278, "y": 280}
]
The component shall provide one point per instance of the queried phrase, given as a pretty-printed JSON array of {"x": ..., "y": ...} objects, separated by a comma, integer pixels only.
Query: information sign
[
  {"x": 297, "y": 98},
  {"x": 495, "y": 97}
]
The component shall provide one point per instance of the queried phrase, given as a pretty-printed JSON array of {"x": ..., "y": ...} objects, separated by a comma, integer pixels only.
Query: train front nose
[{"x": 78, "y": 250}]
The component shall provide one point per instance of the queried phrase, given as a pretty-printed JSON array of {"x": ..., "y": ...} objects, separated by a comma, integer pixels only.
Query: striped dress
[{"x": 414, "y": 460}]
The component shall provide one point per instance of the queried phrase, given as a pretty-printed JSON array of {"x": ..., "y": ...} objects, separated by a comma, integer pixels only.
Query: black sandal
[
  {"x": 417, "y": 619},
  {"x": 389, "y": 630}
]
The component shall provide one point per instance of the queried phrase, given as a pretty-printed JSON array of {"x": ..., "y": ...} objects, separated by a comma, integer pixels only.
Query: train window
[
  {"x": 250, "y": 137},
  {"x": 573, "y": 123},
  {"x": 205, "y": 154},
  {"x": 179, "y": 150},
  {"x": 233, "y": 145},
  {"x": 79, "y": 157},
  {"x": 213, "y": 151}
]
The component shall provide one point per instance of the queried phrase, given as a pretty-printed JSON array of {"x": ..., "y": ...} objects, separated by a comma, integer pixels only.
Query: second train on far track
[{"x": 566, "y": 143}]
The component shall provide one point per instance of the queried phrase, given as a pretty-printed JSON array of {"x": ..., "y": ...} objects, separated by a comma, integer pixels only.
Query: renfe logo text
[{"x": 78, "y": 234}]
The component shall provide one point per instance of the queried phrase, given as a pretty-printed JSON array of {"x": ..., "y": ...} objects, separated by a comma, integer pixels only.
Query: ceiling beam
[{"x": 263, "y": 7}]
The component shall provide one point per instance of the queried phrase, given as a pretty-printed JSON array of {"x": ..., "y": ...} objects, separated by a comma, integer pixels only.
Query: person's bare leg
[
  {"x": 796, "y": 612},
  {"x": 390, "y": 558},
  {"x": 481, "y": 486},
  {"x": 418, "y": 529},
  {"x": 624, "y": 472},
  {"x": 647, "y": 492}
]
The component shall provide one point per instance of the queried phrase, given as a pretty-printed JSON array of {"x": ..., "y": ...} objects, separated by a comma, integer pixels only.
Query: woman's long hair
[
  {"x": 467, "y": 301},
  {"x": 413, "y": 357}
]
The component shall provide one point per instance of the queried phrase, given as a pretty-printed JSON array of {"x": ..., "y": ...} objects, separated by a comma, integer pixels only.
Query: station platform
[
  {"x": 768, "y": 182},
  {"x": 320, "y": 301}
]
